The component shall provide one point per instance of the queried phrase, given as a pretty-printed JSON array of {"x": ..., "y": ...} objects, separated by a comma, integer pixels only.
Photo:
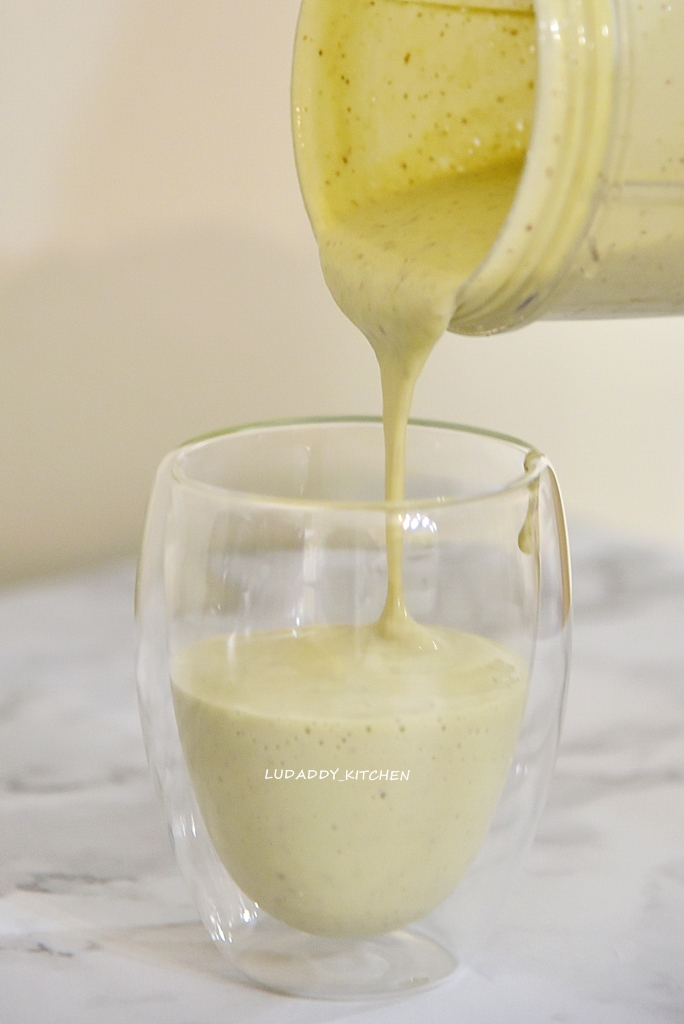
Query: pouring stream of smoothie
[{"x": 408, "y": 164}]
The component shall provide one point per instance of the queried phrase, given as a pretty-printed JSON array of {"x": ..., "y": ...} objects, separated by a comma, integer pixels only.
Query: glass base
[{"x": 289, "y": 961}]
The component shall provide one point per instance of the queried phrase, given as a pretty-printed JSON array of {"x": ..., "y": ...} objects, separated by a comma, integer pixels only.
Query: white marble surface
[{"x": 96, "y": 926}]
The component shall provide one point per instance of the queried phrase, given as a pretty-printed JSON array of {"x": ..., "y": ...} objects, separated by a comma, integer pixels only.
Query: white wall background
[{"x": 158, "y": 279}]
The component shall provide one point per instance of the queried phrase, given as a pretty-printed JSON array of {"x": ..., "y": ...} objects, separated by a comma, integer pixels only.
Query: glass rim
[{"x": 535, "y": 462}]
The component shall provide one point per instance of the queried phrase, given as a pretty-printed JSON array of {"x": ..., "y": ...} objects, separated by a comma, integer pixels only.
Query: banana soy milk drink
[
  {"x": 347, "y": 775},
  {"x": 347, "y": 780}
]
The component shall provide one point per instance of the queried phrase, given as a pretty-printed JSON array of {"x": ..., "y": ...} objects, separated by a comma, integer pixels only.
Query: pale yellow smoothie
[{"x": 347, "y": 781}]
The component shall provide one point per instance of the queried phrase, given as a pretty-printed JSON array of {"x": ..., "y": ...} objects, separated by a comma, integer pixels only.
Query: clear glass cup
[
  {"x": 267, "y": 538},
  {"x": 593, "y": 225}
]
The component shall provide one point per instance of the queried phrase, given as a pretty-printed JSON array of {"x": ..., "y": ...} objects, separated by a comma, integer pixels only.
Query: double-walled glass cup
[{"x": 348, "y": 804}]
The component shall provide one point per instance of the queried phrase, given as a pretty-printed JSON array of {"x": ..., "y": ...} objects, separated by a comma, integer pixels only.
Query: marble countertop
[{"x": 96, "y": 926}]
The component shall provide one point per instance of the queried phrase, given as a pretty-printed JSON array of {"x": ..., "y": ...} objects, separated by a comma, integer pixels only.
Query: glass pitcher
[{"x": 583, "y": 100}]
